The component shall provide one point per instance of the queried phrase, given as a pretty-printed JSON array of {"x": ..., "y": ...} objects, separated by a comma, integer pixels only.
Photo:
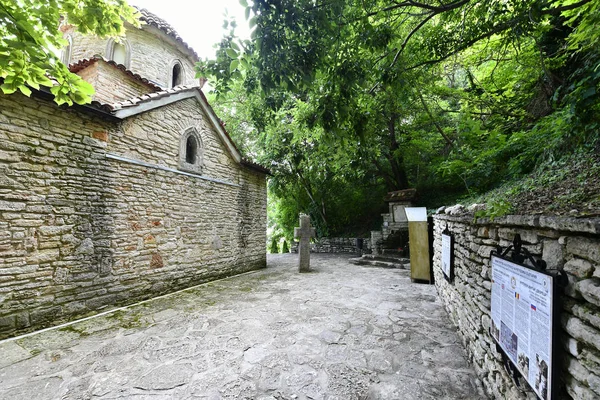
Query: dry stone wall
[
  {"x": 80, "y": 231},
  {"x": 565, "y": 243},
  {"x": 336, "y": 245}
]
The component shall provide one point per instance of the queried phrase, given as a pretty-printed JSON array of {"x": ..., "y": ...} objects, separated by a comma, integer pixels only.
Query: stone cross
[{"x": 305, "y": 232}]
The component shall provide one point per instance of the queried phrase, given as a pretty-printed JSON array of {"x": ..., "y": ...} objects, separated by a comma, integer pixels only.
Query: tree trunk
[{"x": 395, "y": 156}]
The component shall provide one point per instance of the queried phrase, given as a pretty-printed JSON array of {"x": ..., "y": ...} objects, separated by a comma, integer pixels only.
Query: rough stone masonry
[
  {"x": 570, "y": 244},
  {"x": 80, "y": 231},
  {"x": 138, "y": 194}
]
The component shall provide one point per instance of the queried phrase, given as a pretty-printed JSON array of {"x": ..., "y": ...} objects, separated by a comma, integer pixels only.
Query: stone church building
[{"x": 140, "y": 193}]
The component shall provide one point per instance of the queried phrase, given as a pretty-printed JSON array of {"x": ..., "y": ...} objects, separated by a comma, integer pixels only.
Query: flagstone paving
[{"x": 340, "y": 332}]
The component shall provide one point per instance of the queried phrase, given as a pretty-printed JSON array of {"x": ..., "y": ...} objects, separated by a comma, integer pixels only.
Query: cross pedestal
[{"x": 305, "y": 232}]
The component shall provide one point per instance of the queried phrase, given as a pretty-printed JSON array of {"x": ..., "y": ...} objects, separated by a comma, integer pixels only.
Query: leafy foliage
[
  {"x": 348, "y": 99},
  {"x": 29, "y": 39},
  {"x": 274, "y": 249}
]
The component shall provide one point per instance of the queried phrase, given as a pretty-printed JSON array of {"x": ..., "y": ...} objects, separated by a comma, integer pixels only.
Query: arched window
[
  {"x": 119, "y": 52},
  {"x": 191, "y": 151},
  {"x": 176, "y": 74},
  {"x": 65, "y": 55}
]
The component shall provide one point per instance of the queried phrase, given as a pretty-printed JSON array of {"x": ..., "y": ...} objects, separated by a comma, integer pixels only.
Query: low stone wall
[
  {"x": 336, "y": 245},
  {"x": 564, "y": 243}
]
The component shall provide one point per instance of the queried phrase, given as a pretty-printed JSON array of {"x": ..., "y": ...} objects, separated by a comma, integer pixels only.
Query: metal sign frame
[
  {"x": 558, "y": 281},
  {"x": 447, "y": 255}
]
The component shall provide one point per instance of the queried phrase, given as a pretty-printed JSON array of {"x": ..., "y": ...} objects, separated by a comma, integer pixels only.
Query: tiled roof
[
  {"x": 256, "y": 166},
  {"x": 152, "y": 19},
  {"x": 151, "y": 96},
  {"x": 86, "y": 62}
]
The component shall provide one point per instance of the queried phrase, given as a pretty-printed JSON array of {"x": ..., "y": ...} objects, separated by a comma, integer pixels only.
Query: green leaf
[
  {"x": 231, "y": 53},
  {"x": 589, "y": 92},
  {"x": 234, "y": 64},
  {"x": 25, "y": 90},
  {"x": 8, "y": 88},
  {"x": 252, "y": 22},
  {"x": 243, "y": 3}
]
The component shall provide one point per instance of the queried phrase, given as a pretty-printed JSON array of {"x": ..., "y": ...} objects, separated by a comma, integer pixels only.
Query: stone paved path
[{"x": 341, "y": 332}]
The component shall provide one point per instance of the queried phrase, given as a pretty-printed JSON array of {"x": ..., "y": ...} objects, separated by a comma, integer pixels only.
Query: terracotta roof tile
[
  {"x": 152, "y": 19},
  {"x": 255, "y": 166},
  {"x": 150, "y": 97}
]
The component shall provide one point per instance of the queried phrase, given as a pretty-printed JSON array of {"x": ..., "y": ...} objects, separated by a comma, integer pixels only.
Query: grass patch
[{"x": 566, "y": 186}]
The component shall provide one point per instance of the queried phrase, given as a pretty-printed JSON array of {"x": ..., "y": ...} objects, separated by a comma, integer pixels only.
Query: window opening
[
  {"x": 119, "y": 53},
  {"x": 191, "y": 153},
  {"x": 191, "y": 148},
  {"x": 176, "y": 79}
]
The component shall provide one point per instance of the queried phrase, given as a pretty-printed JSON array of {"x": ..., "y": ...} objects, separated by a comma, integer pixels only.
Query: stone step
[
  {"x": 369, "y": 262},
  {"x": 387, "y": 257}
]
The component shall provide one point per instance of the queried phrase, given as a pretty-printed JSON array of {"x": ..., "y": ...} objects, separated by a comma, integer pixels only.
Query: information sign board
[
  {"x": 522, "y": 320},
  {"x": 447, "y": 256}
]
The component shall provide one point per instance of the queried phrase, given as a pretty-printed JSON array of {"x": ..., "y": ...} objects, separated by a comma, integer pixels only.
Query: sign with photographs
[
  {"x": 448, "y": 255},
  {"x": 522, "y": 317}
]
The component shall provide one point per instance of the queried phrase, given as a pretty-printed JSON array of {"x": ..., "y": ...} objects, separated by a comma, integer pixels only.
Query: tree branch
[
  {"x": 412, "y": 32},
  {"x": 435, "y": 123}
]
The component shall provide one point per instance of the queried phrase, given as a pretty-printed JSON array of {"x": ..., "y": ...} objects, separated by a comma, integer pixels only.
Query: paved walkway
[{"x": 341, "y": 332}]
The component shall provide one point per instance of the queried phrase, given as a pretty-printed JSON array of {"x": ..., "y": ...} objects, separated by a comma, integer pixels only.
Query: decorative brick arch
[
  {"x": 110, "y": 50},
  {"x": 191, "y": 151}
]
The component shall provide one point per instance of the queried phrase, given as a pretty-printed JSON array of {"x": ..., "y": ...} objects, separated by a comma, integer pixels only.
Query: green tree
[
  {"x": 359, "y": 97},
  {"x": 274, "y": 249},
  {"x": 30, "y": 39},
  {"x": 285, "y": 249}
]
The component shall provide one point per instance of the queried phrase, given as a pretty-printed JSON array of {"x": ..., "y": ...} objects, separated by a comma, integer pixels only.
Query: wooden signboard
[{"x": 418, "y": 238}]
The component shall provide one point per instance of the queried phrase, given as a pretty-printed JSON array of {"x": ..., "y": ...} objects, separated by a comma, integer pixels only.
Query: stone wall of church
[
  {"x": 112, "y": 85},
  {"x": 82, "y": 232},
  {"x": 154, "y": 137},
  {"x": 151, "y": 55},
  {"x": 564, "y": 243}
]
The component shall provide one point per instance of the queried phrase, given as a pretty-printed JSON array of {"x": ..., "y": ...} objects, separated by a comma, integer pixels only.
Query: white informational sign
[
  {"x": 416, "y": 214},
  {"x": 522, "y": 321},
  {"x": 446, "y": 255}
]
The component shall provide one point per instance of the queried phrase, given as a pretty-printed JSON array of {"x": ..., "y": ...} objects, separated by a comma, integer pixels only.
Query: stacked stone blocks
[
  {"x": 564, "y": 243},
  {"x": 335, "y": 245},
  {"x": 80, "y": 232}
]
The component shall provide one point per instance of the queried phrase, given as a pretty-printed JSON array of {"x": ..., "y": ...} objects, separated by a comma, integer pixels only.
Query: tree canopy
[
  {"x": 30, "y": 39},
  {"x": 350, "y": 98}
]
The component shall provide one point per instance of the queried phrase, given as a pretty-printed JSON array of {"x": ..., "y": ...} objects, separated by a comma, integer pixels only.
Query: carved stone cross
[{"x": 305, "y": 232}]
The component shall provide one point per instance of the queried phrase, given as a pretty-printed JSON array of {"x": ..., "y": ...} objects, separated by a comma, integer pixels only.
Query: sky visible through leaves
[{"x": 199, "y": 23}]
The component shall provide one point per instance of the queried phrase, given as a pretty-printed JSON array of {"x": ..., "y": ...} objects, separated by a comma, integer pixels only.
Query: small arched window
[
  {"x": 176, "y": 74},
  {"x": 191, "y": 151},
  {"x": 65, "y": 55},
  {"x": 119, "y": 52}
]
